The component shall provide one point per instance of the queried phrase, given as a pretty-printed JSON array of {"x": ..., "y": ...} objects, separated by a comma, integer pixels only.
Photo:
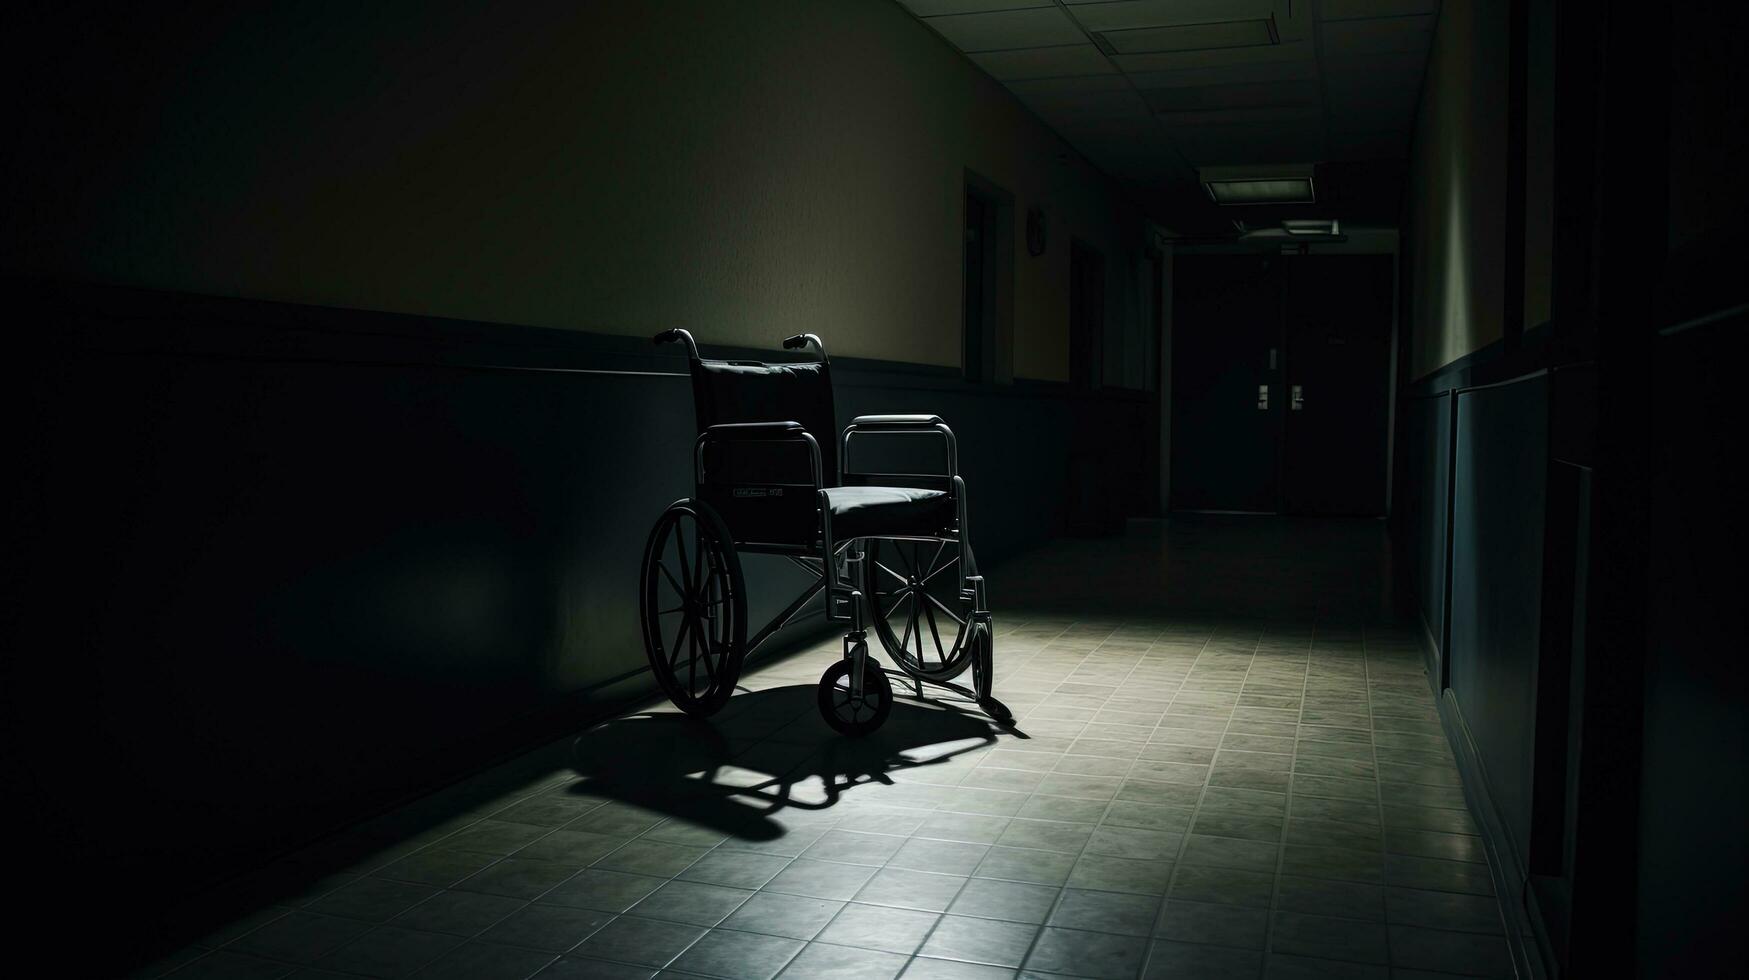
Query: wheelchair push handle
[
  {"x": 802, "y": 340},
  {"x": 678, "y": 335}
]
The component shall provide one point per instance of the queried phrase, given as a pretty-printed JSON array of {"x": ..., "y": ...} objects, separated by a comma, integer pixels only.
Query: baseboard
[
  {"x": 1510, "y": 880},
  {"x": 1431, "y": 655}
]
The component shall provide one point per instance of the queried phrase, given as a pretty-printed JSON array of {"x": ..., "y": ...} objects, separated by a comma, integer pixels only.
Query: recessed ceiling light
[
  {"x": 1285, "y": 184},
  {"x": 1312, "y": 226}
]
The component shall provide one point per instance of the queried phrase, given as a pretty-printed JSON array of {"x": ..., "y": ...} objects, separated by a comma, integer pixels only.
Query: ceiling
[{"x": 1150, "y": 90}]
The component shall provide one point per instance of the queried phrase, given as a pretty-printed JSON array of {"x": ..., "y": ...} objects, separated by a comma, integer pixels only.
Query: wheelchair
[{"x": 891, "y": 550}]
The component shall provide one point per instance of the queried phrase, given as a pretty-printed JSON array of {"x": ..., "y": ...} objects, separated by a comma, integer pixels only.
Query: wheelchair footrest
[{"x": 998, "y": 712}]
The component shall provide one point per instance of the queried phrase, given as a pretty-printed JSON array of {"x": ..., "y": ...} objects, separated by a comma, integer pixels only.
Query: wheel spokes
[
  {"x": 917, "y": 603},
  {"x": 932, "y": 569},
  {"x": 699, "y": 628},
  {"x": 944, "y": 608},
  {"x": 952, "y": 561},
  {"x": 914, "y": 626},
  {"x": 698, "y": 563},
  {"x": 679, "y": 636},
  {"x": 685, "y": 565},
  {"x": 678, "y": 588},
  {"x": 692, "y": 659},
  {"x": 940, "y": 654}
]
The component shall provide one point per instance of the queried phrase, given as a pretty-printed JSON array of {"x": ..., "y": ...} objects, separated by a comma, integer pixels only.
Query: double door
[{"x": 1280, "y": 383}]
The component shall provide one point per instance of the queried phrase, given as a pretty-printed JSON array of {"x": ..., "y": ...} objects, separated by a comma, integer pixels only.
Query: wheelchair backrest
[{"x": 754, "y": 391}]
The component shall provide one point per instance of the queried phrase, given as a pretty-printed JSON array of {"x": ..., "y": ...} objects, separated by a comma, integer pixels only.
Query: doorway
[
  {"x": 976, "y": 334},
  {"x": 987, "y": 313},
  {"x": 1280, "y": 383}
]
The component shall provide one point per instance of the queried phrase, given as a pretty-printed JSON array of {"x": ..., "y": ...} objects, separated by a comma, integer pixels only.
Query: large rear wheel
[
  {"x": 694, "y": 606},
  {"x": 913, "y": 589}
]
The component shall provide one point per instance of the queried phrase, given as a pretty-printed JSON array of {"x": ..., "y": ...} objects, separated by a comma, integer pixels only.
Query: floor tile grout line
[
  {"x": 1196, "y": 810},
  {"x": 1057, "y": 901},
  {"x": 939, "y": 916},
  {"x": 1378, "y": 801},
  {"x": 1062, "y": 888},
  {"x": 642, "y": 835},
  {"x": 1288, "y": 805}
]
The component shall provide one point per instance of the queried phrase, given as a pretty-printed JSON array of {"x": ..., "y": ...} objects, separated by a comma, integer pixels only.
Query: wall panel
[{"x": 1498, "y": 490}]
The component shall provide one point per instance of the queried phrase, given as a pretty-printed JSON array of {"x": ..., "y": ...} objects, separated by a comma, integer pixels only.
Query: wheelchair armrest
[
  {"x": 758, "y": 432},
  {"x": 896, "y": 421},
  {"x": 754, "y": 430},
  {"x": 929, "y": 425}
]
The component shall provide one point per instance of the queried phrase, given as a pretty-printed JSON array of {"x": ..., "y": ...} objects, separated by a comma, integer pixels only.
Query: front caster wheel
[{"x": 855, "y": 714}]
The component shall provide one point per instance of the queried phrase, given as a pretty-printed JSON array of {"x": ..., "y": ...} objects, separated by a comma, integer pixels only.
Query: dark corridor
[{"x": 1342, "y": 397}]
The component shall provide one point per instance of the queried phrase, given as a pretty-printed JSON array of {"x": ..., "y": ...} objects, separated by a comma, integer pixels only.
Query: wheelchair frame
[{"x": 845, "y": 600}]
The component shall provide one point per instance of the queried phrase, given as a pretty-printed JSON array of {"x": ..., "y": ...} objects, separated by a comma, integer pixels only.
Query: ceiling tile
[
  {"x": 935, "y": 8},
  {"x": 1269, "y": 143},
  {"x": 1371, "y": 145},
  {"x": 1165, "y": 13},
  {"x": 1182, "y": 60},
  {"x": 1280, "y": 71},
  {"x": 1192, "y": 37},
  {"x": 1008, "y": 29},
  {"x": 1399, "y": 119},
  {"x": 1133, "y": 159},
  {"x": 1072, "y": 59},
  {"x": 1354, "y": 9},
  {"x": 1249, "y": 96},
  {"x": 1128, "y": 125},
  {"x": 1301, "y": 115},
  {"x": 1397, "y": 64},
  {"x": 1347, "y": 38},
  {"x": 1350, "y": 92},
  {"x": 1094, "y": 105},
  {"x": 1031, "y": 87}
]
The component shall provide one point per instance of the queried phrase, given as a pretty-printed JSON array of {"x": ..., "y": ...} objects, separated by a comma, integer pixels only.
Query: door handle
[
  {"x": 1297, "y": 399},
  {"x": 1263, "y": 398}
]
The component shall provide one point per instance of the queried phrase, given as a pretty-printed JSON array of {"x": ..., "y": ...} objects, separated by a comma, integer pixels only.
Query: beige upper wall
[
  {"x": 1457, "y": 189},
  {"x": 747, "y": 170}
]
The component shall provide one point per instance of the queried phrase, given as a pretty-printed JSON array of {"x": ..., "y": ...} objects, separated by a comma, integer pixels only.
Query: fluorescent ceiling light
[
  {"x": 1288, "y": 184},
  {"x": 1312, "y": 226},
  {"x": 1294, "y": 191}
]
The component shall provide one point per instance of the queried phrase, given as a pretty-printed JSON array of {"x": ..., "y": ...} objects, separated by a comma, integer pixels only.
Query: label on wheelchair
[{"x": 742, "y": 493}]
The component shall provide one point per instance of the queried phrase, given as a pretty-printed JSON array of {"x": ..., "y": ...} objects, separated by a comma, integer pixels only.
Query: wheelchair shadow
[{"x": 766, "y": 753}]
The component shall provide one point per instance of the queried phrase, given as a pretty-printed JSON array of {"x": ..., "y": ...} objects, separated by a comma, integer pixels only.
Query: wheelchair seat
[{"x": 888, "y": 511}]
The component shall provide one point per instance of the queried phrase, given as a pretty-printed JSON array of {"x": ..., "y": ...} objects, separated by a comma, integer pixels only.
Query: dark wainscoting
[
  {"x": 1423, "y": 514},
  {"x": 1495, "y": 594},
  {"x": 1694, "y": 804},
  {"x": 272, "y": 569},
  {"x": 1468, "y": 532}
]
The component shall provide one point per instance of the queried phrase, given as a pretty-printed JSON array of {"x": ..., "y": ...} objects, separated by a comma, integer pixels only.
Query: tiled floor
[{"x": 1227, "y": 764}]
